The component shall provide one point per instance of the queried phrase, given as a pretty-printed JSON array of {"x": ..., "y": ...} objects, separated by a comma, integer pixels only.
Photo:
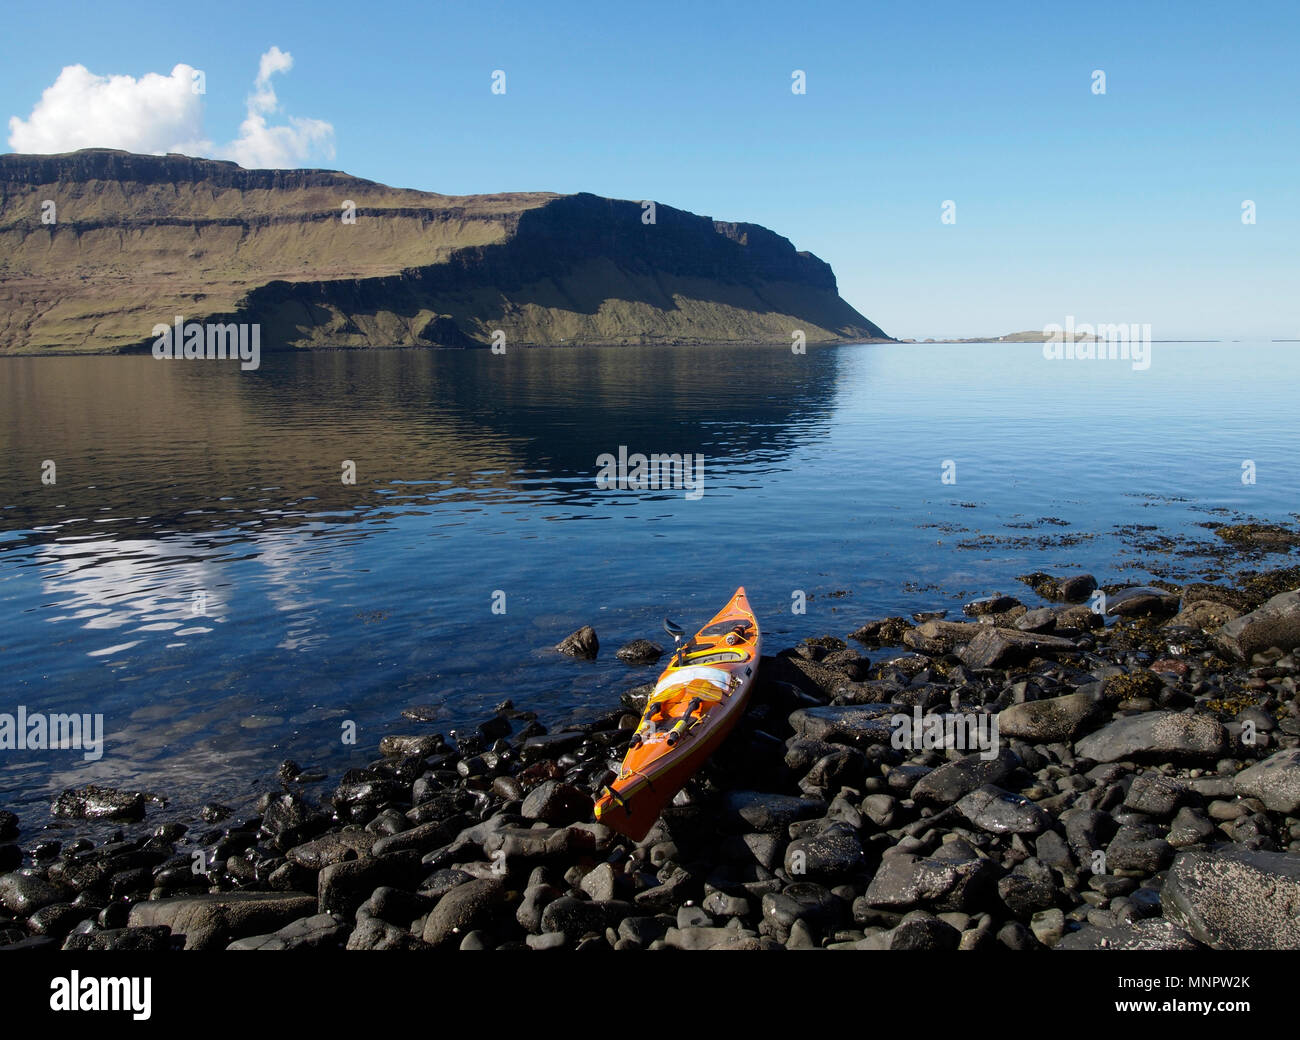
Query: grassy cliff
[{"x": 139, "y": 239}]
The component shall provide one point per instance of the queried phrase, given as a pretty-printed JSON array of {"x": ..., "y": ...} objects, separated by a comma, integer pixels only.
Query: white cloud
[
  {"x": 261, "y": 146},
  {"x": 160, "y": 114},
  {"x": 81, "y": 110}
]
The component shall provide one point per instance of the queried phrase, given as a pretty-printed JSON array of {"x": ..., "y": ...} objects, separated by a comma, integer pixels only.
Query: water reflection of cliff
[{"x": 149, "y": 448}]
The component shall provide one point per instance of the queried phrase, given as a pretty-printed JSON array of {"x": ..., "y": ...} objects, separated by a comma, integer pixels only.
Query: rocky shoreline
[{"x": 1142, "y": 791}]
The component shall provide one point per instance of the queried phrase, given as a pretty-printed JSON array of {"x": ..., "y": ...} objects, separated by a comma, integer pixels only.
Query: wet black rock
[
  {"x": 1141, "y": 935},
  {"x": 766, "y": 812},
  {"x": 148, "y": 939},
  {"x": 639, "y": 652},
  {"x": 360, "y": 796},
  {"x": 289, "y": 820},
  {"x": 335, "y": 847},
  {"x": 213, "y": 920},
  {"x": 582, "y": 643},
  {"x": 1049, "y": 720},
  {"x": 1002, "y": 812},
  {"x": 1142, "y": 601},
  {"x": 834, "y": 854},
  {"x": 424, "y": 712},
  {"x": 96, "y": 803},
  {"x": 58, "y": 919},
  {"x": 998, "y": 647},
  {"x": 464, "y": 908},
  {"x": 919, "y": 930},
  {"x": 804, "y": 901},
  {"x": 23, "y": 893},
  {"x": 1157, "y": 735},
  {"x": 857, "y": 724},
  {"x": 990, "y": 605},
  {"x": 884, "y": 632},
  {"x": 954, "y": 877},
  {"x": 1276, "y": 623},
  {"x": 1190, "y": 827},
  {"x": 421, "y": 746},
  {"x": 844, "y": 767},
  {"x": 575, "y": 917},
  {"x": 422, "y": 838},
  {"x": 676, "y": 886},
  {"x": 372, "y": 933},
  {"x": 1028, "y": 889},
  {"x": 342, "y": 887},
  {"x": 318, "y": 932},
  {"x": 1075, "y": 588},
  {"x": 395, "y": 905},
  {"x": 1138, "y": 847},
  {"x": 550, "y": 746},
  {"x": 953, "y": 780},
  {"x": 8, "y": 825},
  {"x": 1236, "y": 898},
  {"x": 556, "y": 802},
  {"x": 1040, "y": 619},
  {"x": 1155, "y": 795},
  {"x": 1274, "y": 781}
]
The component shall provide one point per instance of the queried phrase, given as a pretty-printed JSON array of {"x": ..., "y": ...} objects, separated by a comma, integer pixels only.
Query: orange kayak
[{"x": 699, "y": 697}]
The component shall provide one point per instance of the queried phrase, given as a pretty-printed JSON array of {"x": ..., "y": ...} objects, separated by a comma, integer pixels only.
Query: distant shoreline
[
  {"x": 1042, "y": 338},
  {"x": 141, "y": 351}
]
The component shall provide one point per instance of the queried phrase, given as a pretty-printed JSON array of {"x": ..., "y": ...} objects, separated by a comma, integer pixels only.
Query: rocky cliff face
[{"x": 136, "y": 239}]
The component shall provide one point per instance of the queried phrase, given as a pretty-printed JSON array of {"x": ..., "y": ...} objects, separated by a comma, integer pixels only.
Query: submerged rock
[
  {"x": 582, "y": 643},
  {"x": 639, "y": 651}
]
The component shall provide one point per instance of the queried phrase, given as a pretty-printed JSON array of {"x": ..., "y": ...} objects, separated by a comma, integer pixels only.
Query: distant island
[
  {"x": 1039, "y": 336},
  {"x": 1031, "y": 336},
  {"x": 98, "y": 246}
]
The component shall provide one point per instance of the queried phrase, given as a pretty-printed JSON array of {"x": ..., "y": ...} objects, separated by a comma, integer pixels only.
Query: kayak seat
[{"x": 712, "y": 658}]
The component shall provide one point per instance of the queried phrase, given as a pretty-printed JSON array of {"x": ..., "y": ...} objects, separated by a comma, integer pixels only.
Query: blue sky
[{"x": 1123, "y": 207}]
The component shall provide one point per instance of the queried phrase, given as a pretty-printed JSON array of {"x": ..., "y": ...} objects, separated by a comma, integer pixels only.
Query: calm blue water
[{"x": 324, "y": 602}]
